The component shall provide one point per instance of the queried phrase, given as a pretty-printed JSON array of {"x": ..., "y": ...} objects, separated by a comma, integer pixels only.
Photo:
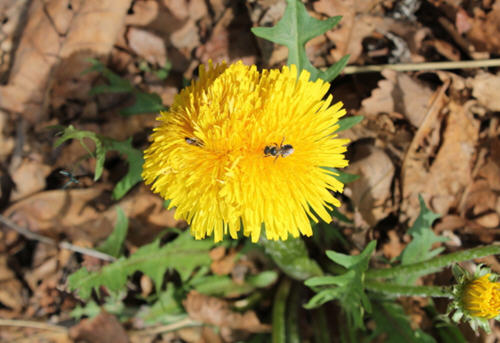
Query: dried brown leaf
[
  {"x": 147, "y": 45},
  {"x": 485, "y": 30},
  {"x": 399, "y": 93},
  {"x": 372, "y": 190},
  {"x": 104, "y": 328},
  {"x": 54, "y": 32},
  {"x": 449, "y": 173},
  {"x": 10, "y": 287},
  {"x": 29, "y": 176},
  {"x": 214, "y": 311},
  {"x": 485, "y": 88}
]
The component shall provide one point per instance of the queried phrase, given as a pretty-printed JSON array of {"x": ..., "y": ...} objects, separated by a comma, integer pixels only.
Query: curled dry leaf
[
  {"x": 373, "y": 189},
  {"x": 214, "y": 311},
  {"x": 432, "y": 178},
  {"x": 55, "y": 32},
  {"x": 485, "y": 88},
  {"x": 399, "y": 93},
  {"x": 104, "y": 328}
]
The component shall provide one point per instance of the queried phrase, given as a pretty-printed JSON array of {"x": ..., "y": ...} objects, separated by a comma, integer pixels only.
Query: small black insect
[
  {"x": 193, "y": 141},
  {"x": 278, "y": 150}
]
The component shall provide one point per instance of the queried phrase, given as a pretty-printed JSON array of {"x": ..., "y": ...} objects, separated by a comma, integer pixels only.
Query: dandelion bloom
[
  {"x": 243, "y": 149},
  {"x": 481, "y": 297}
]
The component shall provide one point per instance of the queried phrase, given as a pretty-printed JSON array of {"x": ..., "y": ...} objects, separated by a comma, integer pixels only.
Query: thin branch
[
  {"x": 186, "y": 322},
  {"x": 63, "y": 245},
  {"x": 33, "y": 325},
  {"x": 422, "y": 66}
]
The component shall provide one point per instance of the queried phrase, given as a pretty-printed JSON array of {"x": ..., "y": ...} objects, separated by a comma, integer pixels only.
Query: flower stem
[
  {"x": 404, "y": 290},
  {"x": 434, "y": 264}
]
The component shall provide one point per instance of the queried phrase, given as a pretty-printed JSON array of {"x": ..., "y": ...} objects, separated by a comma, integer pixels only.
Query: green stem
[
  {"x": 279, "y": 312},
  {"x": 434, "y": 264},
  {"x": 403, "y": 290}
]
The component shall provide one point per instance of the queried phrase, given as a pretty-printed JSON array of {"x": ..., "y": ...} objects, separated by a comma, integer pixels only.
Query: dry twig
[{"x": 63, "y": 245}]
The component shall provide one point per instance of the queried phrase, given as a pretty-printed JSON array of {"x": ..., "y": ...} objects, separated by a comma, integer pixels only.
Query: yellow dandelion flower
[
  {"x": 243, "y": 149},
  {"x": 481, "y": 297}
]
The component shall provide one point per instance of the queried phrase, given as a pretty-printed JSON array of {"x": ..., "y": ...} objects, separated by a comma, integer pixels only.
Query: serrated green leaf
[
  {"x": 292, "y": 258},
  {"x": 113, "y": 245},
  {"x": 167, "y": 309},
  {"x": 391, "y": 321},
  {"x": 338, "y": 280},
  {"x": 357, "y": 262},
  {"x": 347, "y": 288},
  {"x": 184, "y": 254},
  {"x": 223, "y": 285},
  {"x": 347, "y": 123},
  {"x": 104, "y": 144},
  {"x": 420, "y": 247},
  {"x": 294, "y": 30}
]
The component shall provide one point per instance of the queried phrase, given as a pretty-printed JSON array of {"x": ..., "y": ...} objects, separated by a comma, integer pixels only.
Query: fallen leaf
[
  {"x": 462, "y": 21},
  {"x": 225, "y": 264},
  {"x": 54, "y": 32},
  {"x": 394, "y": 247},
  {"x": 372, "y": 190},
  {"x": 485, "y": 30},
  {"x": 62, "y": 211},
  {"x": 432, "y": 179},
  {"x": 10, "y": 287},
  {"x": 399, "y": 93},
  {"x": 142, "y": 13},
  {"x": 6, "y": 142},
  {"x": 104, "y": 328},
  {"x": 214, "y": 311},
  {"x": 179, "y": 8},
  {"x": 484, "y": 89},
  {"x": 148, "y": 46},
  {"x": 29, "y": 176}
]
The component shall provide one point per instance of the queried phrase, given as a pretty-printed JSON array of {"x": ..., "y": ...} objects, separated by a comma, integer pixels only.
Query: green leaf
[
  {"x": 347, "y": 288},
  {"x": 420, "y": 248},
  {"x": 164, "y": 311},
  {"x": 394, "y": 325},
  {"x": 116, "y": 83},
  {"x": 294, "y": 30},
  {"x": 113, "y": 245},
  {"x": 342, "y": 176},
  {"x": 292, "y": 258},
  {"x": 100, "y": 152},
  {"x": 104, "y": 144},
  {"x": 349, "y": 122},
  {"x": 184, "y": 254},
  {"x": 223, "y": 285},
  {"x": 135, "y": 161},
  {"x": 144, "y": 103},
  {"x": 358, "y": 262}
]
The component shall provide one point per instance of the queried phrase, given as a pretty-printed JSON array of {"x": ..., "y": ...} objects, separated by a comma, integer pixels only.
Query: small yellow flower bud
[{"x": 481, "y": 297}]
